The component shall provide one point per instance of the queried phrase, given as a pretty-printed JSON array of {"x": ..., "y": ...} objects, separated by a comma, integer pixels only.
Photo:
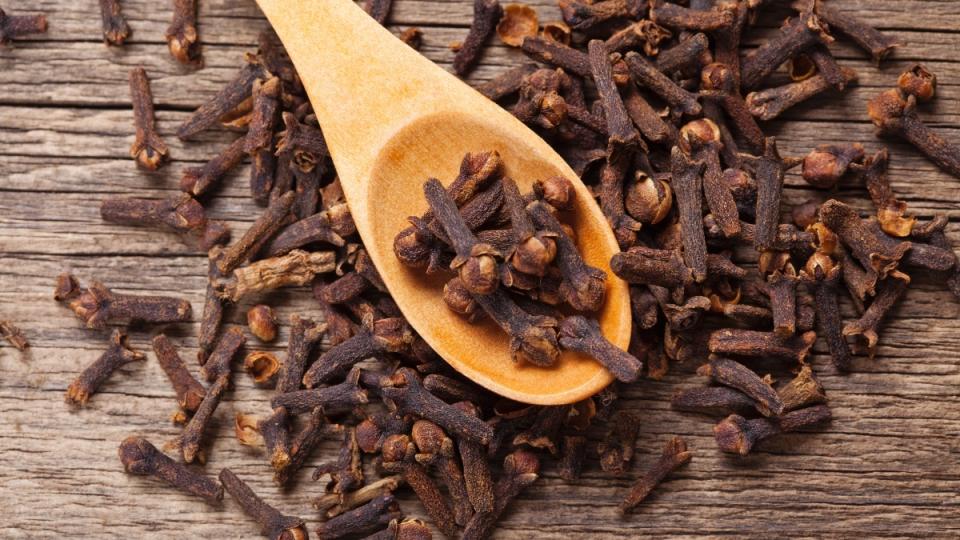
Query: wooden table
[{"x": 889, "y": 464}]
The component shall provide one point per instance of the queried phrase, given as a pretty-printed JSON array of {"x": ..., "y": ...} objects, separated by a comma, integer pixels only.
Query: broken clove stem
[
  {"x": 674, "y": 455},
  {"x": 116, "y": 356},
  {"x": 273, "y": 524}
]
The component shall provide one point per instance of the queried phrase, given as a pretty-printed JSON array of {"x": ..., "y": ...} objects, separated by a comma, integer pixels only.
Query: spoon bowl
[{"x": 392, "y": 119}]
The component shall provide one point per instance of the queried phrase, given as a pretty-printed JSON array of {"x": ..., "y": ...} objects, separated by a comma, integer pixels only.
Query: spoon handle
[{"x": 364, "y": 83}]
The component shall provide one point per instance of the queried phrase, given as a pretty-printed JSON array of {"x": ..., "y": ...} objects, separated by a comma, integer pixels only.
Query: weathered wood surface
[{"x": 888, "y": 465}]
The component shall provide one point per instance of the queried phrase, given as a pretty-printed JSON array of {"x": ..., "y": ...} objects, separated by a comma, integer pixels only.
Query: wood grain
[{"x": 887, "y": 466}]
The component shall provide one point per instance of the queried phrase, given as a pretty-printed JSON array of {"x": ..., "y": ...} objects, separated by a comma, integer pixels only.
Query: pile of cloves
[{"x": 651, "y": 103}]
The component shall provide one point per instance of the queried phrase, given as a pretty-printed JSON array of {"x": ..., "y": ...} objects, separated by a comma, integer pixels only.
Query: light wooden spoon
[{"x": 392, "y": 119}]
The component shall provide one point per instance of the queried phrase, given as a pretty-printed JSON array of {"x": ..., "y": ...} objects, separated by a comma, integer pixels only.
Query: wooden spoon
[{"x": 392, "y": 119}]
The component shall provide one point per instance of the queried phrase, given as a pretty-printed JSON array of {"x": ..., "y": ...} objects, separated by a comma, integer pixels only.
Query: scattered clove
[
  {"x": 736, "y": 375},
  {"x": 486, "y": 14},
  {"x": 148, "y": 150},
  {"x": 737, "y": 435},
  {"x": 389, "y": 335},
  {"x": 894, "y": 114},
  {"x": 97, "y": 305},
  {"x": 583, "y": 335},
  {"x": 218, "y": 363},
  {"x": 617, "y": 448},
  {"x": 189, "y": 391},
  {"x": 116, "y": 356},
  {"x": 182, "y": 33},
  {"x": 13, "y": 335},
  {"x": 16, "y": 26},
  {"x": 674, "y": 455},
  {"x": 140, "y": 457},
  {"x": 273, "y": 524}
]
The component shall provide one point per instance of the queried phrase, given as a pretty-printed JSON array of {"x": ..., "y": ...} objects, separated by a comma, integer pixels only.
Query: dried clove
[
  {"x": 273, "y": 524},
  {"x": 398, "y": 455},
  {"x": 685, "y": 58},
  {"x": 13, "y": 335},
  {"x": 878, "y": 44},
  {"x": 918, "y": 82},
  {"x": 259, "y": 143},
  {"x": 97, "y": 306},
  {"x": 676, "y": 16},
  {"x": 865, "y": 244},
  {"x": 486, "y": 14},
  {"x": 116, "y": 356},
  {"x": 346, "y": 472},
  {"x": 140, "y": 457},
  {"x": 584, "y": 16},
  {"x": 334, "y": 504},
  {"x": 189, "y": 391},
  {"x": 583, "y": 335},
  {"x": 867, "y": 326},
  {"x": 647, "y": 75},
  {"x": 407, "y": 529},
  {"x": 520, "y": 469},
  {"x": 437, "y": 450},
  {"x": 477, "y": 477},
  {"x": 340, "y": 397},
  {"x": 718, "y": 83},
  {"x": 643, "y": 33},
  {"x": 180, "y": 214},
  {"x": 189, "y": 441},
  {"x": 770, "y": 169},
  {"x": 115, "y": 27},
  {"x": 304, "y": 144},
  {"x": 772, "y": 102},
  {"x": 198, "y": 181},
  {"x": 545, "y": 429},
  {"x": 212, "y": 307},
  {"x": 181, "y": 35},
  {"x": 825, "y": 166},
  {"x": 894, "y": 114},
  {"x": 148, "y": 150},
  {"x": 410, "y": 397},
  {"x": 755, "y": 344},
  {"x": 390, "y": 335},
  {"x": 218, "y": 363},
  {"x": 573, "y": 450},
  {"x": 618, "y": 446},
  {"x": 713, "y": 400},
  {"x": 276, "y": 438},
  {"x": 330, "y": 226},
  {"x": 687, "y": 185},
  {"x": 305, "y": 334},
  {"x": 379, "y": 10},
  {"x": 702, "y": 139},
  {"x": 367, "y": 518},
  {"x": 803, "y": 390},
  {"x": 16, "y": 26},
  {"x": 737, "y": 435},
  {"x": 674, "y": 455},
  {"x": 533, "y": 338},
  {"x": 303, "y": 444},
  {"x": 228, "y": 98},
  {"x": 735, "y": 375},
  {"x": 796, "y": 36},
  {"x": 825, "y": 276}
]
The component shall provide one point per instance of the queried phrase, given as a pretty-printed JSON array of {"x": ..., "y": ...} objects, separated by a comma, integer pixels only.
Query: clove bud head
[
  {"x": 460, "y": 301},
  {"x": 885, "y": 111},
  {"x": 557, "y": 191},
  {"x": 537, "y": 344},
  {"x": 479, "y": 272},
  {"x": 534, "y": 254},
  {"x": 649, "y": 200},
  {"x": 824, "y": 166},
  {"x": 918, "y": 82}
]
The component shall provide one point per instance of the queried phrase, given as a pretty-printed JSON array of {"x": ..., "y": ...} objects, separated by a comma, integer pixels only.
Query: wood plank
[{"x": 886, "y": 466}]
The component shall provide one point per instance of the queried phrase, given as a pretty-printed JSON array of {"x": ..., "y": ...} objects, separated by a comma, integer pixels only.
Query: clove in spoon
[{"x": 392, "y": 119}]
